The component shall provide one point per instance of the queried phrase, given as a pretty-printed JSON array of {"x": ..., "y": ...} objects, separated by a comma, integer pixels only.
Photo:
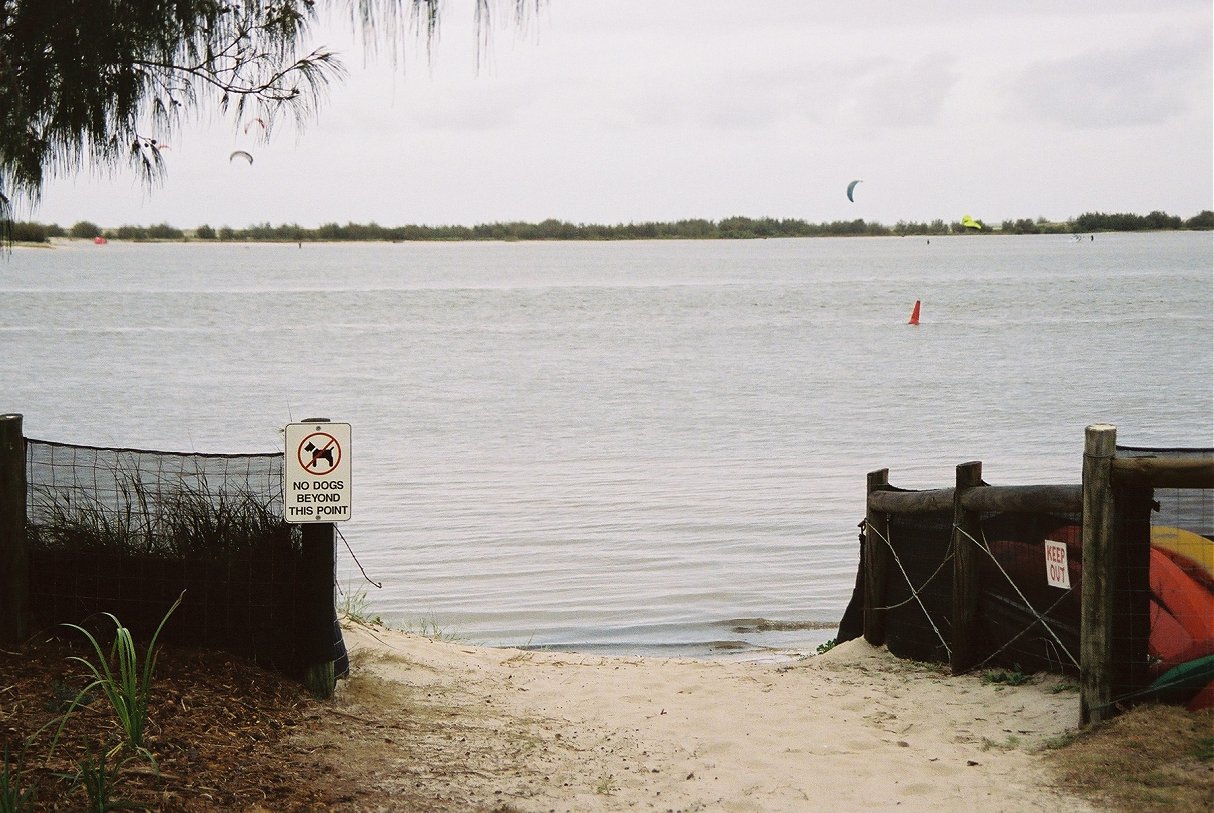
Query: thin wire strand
[
  {"x": 915, "y": 592},
  {"x": 1038, "y": 617},
  {"x": 379, "y": 585}
]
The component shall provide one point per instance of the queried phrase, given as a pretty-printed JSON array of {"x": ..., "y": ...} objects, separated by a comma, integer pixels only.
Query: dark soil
[{"x": 220, "y": 730}]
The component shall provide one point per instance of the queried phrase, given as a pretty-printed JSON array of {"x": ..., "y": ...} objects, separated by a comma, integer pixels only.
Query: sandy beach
[{"x": 433, "y": 725}]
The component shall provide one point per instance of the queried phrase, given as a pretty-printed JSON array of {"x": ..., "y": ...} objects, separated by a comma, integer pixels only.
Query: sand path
[{"x": 430, "y": 725}]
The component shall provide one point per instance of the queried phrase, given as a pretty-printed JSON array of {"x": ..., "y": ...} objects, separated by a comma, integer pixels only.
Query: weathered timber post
[
  {"x": 318, "y": 566},
  {"x": 1099, "y": 576},
  {"x": 966, "y": 527},
  {"x": 318, "y": 608},
  {"x": 1131, "y": 626},
  {"x": 876, "y": 562},
  {"x": 14, "y": 548}
]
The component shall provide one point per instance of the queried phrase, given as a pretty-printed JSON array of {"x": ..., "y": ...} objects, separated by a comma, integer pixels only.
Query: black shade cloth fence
[
  {"x": 1027, "y": 620},
  {"x": 125, "y": 531},
  {"x": 1023, "y": 623}
]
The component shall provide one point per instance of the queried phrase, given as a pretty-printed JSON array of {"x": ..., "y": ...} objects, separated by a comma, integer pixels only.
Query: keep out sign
[
  {"x": 1057, "y": 574},
  {"x": 316, "y": 472}
]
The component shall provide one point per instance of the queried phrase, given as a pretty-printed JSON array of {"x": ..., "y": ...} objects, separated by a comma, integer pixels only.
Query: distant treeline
[{"x": 731, "y": 228}]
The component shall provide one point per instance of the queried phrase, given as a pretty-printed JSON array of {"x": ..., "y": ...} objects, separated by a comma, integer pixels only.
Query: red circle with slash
[{"x": 319, "y": 453}]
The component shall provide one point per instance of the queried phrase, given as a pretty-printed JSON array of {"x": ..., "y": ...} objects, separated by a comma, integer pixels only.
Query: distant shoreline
[
  {"x": 551, "y": 230},
  {"x": 80, "y": 242}
]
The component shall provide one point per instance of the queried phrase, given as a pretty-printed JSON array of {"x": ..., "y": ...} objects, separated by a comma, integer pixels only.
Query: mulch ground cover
[{"x": 219, "y": 729}]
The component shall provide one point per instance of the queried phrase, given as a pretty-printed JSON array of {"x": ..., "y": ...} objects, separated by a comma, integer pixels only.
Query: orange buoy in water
[{"x": 914, "y": 320}]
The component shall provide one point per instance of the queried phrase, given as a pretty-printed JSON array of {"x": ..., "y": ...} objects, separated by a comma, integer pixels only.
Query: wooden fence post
[
  {"x": 14, "y": 548},
  {"x": 1131, "y": 624},
  {"x": 318, "y": 608},
  {"x": 319, "y": 563},
  {"x": 1099, "y": 576},
  {"x": 876, "y": 562},
  {"x": 966, "y": 527}
]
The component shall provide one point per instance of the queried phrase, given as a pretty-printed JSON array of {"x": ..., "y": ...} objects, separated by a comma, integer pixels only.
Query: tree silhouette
[{"x": 108, "y": 82}]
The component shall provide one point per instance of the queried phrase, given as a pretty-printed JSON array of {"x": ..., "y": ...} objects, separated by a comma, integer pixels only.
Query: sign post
[{"x": 315, "y": 494}]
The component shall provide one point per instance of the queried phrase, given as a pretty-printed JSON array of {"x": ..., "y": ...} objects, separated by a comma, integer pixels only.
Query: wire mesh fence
[
  {"x": 125, "y": 531},
  {"x": 1179, "y": 629}
]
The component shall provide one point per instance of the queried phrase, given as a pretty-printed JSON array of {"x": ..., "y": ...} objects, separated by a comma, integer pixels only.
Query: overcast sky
[{"x": 614, "y": 111}]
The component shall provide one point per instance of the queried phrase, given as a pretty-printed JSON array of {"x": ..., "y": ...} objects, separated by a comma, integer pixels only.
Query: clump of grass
[
  {"x": 126, "y": 684},
  {"x": 1013, "y": 678},
  {"x": 607, "y": 785},
  {"x": 826, "y": 646},
  {"x": 1010, "y": 743},
  {"x": 99, "y": 777},
  {"x": 196, "y": 523},
  {"x": 1203, "y": 749},
  {"x": 124, "y": 680},
  {"x": 1065, "y": 686},
  {"x": 1060, "y": 741},
  {"x": 356, "y": 608},
  {"x": 13, "y": 797},
  {"x": 1153, "y": 758},
  {"x": 932, "y": 667},
  {"x": 429, "y": 628},
  {"x": 180, "y": 518}
]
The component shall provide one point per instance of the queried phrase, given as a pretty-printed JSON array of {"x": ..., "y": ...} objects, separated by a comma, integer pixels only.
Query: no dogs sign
[{"x": 316, "y": 472}]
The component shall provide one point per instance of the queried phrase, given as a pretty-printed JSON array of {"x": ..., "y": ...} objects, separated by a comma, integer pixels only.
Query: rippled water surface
[{"x": 632, "y": 447}]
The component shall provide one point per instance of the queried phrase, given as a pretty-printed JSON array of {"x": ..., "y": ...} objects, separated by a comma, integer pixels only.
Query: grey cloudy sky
[{"x": 610, "y": 111}]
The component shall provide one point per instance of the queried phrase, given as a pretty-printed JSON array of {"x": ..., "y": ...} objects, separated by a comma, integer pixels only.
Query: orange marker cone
[{"x": 914, "y": 320}]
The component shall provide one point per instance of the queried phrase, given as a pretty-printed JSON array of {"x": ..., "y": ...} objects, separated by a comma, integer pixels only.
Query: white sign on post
[
  {"x": 1057, "y": 573},
  {"x": 316, "y": 473}
]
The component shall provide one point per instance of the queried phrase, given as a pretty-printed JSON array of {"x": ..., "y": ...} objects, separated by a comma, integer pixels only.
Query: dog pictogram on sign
[{"x": 319, "y": 453}]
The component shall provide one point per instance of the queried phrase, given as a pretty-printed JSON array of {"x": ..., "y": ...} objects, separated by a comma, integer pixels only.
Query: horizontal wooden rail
[
  {"x": 1061, "y": 499},
  {"x": 1164, "y": 471},
  {"x": 1058, "y": 499},
  {"x": 911, "y": 502}
]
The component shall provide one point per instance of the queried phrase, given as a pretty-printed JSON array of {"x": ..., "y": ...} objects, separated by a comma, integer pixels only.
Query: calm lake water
[{"x": 641, "y": 447}]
